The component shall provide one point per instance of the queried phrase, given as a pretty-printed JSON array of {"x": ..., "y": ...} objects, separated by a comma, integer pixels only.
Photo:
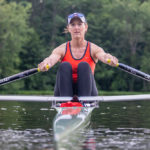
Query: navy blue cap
[{"x": 78, "y": 15}]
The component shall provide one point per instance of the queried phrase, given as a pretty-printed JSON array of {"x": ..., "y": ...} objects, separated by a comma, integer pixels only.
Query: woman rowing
[{"x": 78, "y": 58}]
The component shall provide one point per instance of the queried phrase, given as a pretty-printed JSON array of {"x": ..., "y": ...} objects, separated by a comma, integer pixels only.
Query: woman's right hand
[
  {"x": 44, "y": 65},
  {"x": 55, "y": 57}
]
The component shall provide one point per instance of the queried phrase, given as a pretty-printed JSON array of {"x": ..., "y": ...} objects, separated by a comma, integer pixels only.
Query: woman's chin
[{"x": 77, "y": 37}]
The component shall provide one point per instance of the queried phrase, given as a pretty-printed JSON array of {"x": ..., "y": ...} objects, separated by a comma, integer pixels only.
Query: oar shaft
[
  {"x": 134, "y": 72},
  {"x": 18, "y": 76}
]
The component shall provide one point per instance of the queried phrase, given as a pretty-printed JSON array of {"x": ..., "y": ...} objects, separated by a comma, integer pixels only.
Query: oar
[
  {"x": 29, "y": 72},
  {"x": 20, "y": 75},
  {"x": 133, "y": 71}
]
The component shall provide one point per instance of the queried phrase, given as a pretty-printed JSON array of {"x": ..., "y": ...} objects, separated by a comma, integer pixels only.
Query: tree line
[{"x": 30, "y": 29}]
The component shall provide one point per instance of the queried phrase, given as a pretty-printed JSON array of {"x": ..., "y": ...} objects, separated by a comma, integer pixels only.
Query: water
[
  {"x": 113, "y": 126},
  {"x": 122, "y": 126}
]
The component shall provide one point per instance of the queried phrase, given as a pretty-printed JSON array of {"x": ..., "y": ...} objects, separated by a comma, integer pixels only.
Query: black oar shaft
[
  {"x": 18, "y": 76},
  {"x": 29, "y": 72},
  {"x": 134, "y": 72},
  {"x": 21, "y": 75}
]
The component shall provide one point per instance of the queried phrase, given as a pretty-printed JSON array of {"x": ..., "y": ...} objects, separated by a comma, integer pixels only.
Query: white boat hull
[{"x": 68, "y": 129}]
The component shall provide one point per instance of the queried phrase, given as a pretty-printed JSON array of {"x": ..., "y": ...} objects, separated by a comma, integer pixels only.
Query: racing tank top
[{"x": 74, "y": 62}]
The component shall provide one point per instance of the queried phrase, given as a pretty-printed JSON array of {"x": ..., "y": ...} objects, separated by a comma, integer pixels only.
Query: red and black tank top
[{"x": 74, "y": 62}]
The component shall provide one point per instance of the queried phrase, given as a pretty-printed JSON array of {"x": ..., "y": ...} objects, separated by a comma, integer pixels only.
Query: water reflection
[
  {"x": 69, "y": 127},
  {"x": 26, "y": 126},
  {"x": 122, "y": 138},
  {"x": 113, "y": 126},
  {"x": 30, "y": 139}
]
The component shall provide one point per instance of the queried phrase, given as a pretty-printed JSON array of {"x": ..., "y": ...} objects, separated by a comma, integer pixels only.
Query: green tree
[
  {"x": 14, "y": 32},
  {"x": 121, "y": 32},
  {"x": 120, "y": 27}
]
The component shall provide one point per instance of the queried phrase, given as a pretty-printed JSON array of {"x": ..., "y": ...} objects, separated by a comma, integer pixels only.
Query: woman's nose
[{"x": 76, "y": 26}]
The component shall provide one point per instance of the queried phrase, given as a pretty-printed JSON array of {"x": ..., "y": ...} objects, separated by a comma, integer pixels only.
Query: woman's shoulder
[
  {"x": 95, "y": 48},
  {"x": 60, "y": 50}
]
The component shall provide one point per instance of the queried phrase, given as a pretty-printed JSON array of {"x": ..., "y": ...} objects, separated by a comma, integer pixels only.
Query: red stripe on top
[{"x": 74, "y": 62}]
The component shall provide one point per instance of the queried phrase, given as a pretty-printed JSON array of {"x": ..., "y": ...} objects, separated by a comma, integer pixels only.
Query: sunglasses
[
  {"x": 76, "y": 14},
  {"x": 79, "y": 15}
]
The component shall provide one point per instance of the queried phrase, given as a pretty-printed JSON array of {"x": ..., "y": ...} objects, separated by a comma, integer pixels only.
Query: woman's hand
[
  {"x": 44, "y": 65},
  {"x": 111, "y": 60}
]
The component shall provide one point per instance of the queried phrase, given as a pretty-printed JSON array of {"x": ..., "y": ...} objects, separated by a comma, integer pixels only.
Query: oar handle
[
  {"x": 47, "y": 67},
  {"x": 132, "y": 71}
]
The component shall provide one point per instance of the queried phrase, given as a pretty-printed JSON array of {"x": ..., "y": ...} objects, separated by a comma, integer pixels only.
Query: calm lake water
[{"x": 113, "y": 126}]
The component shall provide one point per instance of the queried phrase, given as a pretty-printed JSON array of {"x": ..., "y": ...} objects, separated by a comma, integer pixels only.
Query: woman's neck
[{"x": 78, "y": 43}]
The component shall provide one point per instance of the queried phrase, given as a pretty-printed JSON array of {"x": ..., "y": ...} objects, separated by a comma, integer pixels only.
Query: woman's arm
[
  {"x": 56, "y": 55},
  {"x": 99, "y": 54}
]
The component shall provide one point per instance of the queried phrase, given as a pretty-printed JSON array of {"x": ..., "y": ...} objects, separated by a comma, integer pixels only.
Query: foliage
[
  {"x": 14, "y": 32},
  {"x": 120, "y": 27}
]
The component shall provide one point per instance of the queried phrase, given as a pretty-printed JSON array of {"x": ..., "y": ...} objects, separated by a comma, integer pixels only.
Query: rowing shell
[{"x": 69, "y": 124}]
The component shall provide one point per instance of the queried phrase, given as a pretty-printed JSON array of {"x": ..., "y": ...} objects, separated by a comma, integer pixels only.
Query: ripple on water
[
  {"x": 4, "y": 109},
  {"x": 122, "y": 138},
  {"x": 30, "y": 139}
]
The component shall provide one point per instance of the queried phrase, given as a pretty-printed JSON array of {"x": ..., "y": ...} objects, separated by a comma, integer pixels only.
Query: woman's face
[{"x": 77, "y": 28}]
